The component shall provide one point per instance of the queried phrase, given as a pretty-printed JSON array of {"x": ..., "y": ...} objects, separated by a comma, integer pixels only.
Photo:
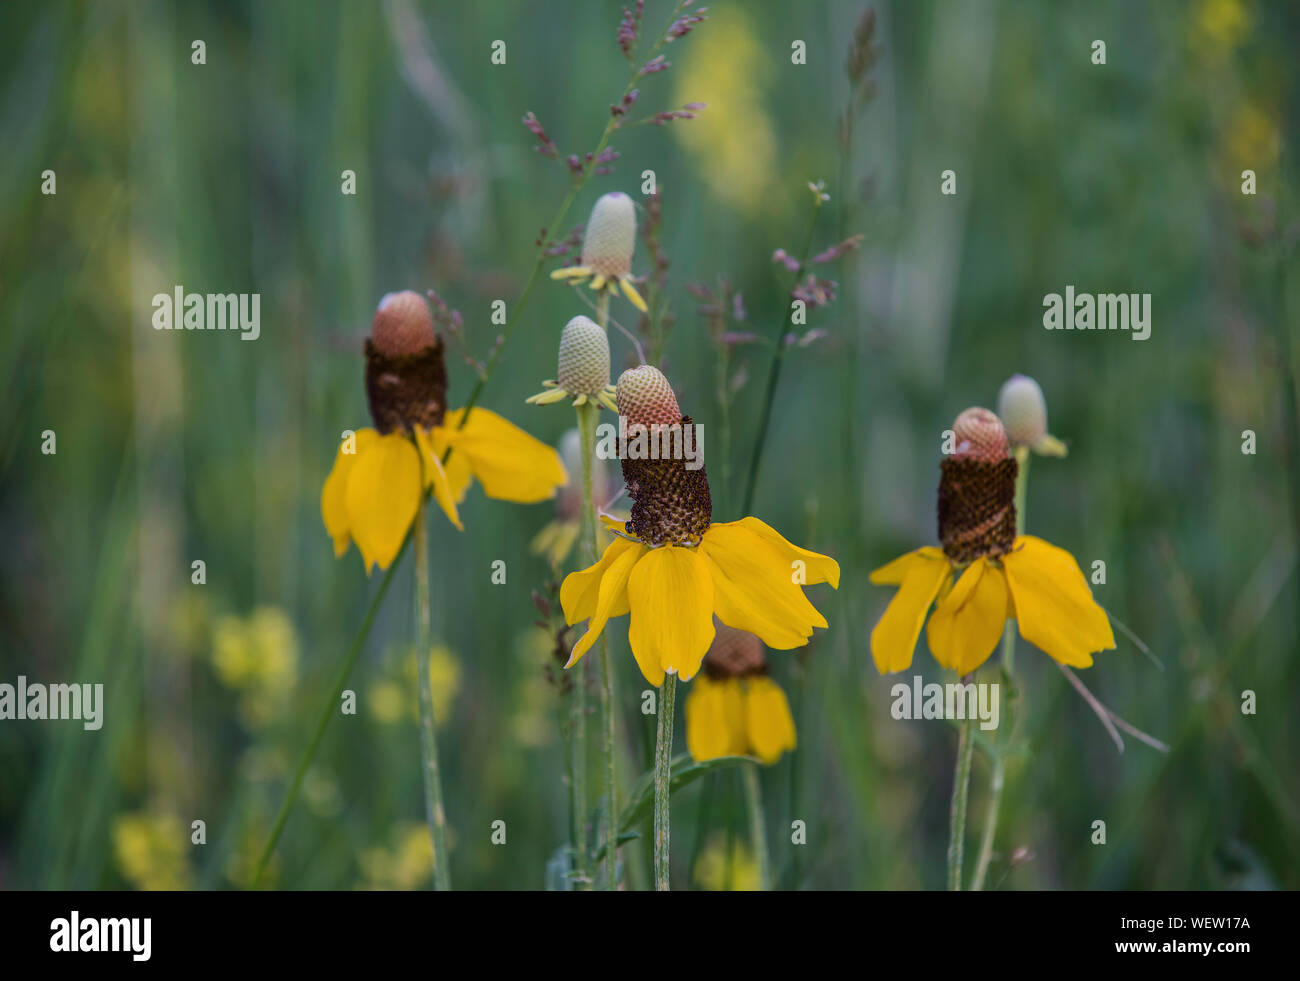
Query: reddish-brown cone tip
[
  {"x": 980, "y": 436},
  {"x": 403, "y": 324},
  {"x": 645, "y": 397}
]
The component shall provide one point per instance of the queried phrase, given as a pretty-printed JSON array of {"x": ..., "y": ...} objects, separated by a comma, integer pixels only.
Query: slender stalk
[
  {"x": 578, "y": 726},
  {"x": 722, "y": 369},
  {"x": 587, "y": 437},
  {"x": 774, "y": 375},
  {"x": 997, "y": 777},
  {"x": 435, "y": 813},
  {"x": 587, "y": 430},
  {"x": 757, "y": 824},
  {"x": 323, "y": 720},
  {"x": 996, "y": 780},
  {"x": 663, "y": 776},
  {"x": 957, "y": 810}
]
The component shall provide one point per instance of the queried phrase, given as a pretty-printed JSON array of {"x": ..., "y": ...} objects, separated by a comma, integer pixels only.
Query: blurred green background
[{"x": 174, "y": 447}]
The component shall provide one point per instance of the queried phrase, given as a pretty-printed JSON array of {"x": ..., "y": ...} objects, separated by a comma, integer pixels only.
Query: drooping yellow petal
[
  {"x": 598, "y": 282},
  {"x": 815, "y": 568},
  {"x": 892, "y": 573},
  {"x": 968, "y": 623},
  {"x": 754, "y": 588},
  {"x": 547, "y": 397},
  {"x": 894, "y": 637},
  {"x": 571, "y": 272},
  {"x": 1054, "y": 606},
  {"x": 435, "y": 477},
  {"x": 768, "y": 722},
  {"x": 633, "y": 297},
  {"x": 580, "y": 590},
  {"x": 333, "y": 503},
  {"x": 611, "y": 599},
  {"x": 715, "y": 719},
  {"x": 383, "y": 491},
  {"x": 671, "y": 596},
  {"x": 510, "y": 464}
]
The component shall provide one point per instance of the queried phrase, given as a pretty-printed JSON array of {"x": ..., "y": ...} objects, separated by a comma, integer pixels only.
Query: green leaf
[
  {"x": 623, "y": 839},
  {"x": 683, "y": 771}
]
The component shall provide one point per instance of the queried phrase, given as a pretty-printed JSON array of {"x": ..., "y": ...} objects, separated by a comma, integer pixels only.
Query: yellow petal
[
  {"x": 436, "y": 477},
  {"x": 611, "y": 599},
  {"x": 580, "y": 590},
  {"x": 894, "y": 637},
  {"x": 892, "y": 573},
  {"x": 1054, "y": 606},
  {"x": 510, "y": 464},
  {"x": 768, "y": 721},
  {"x": 547, "y": 397},
  {"x": 671, "y": 596},
  {"x": 753, "y": 587},
  {"x": 633, "y": 297},
  {"x": 333, "y": 505},
  {"x": 817, "y": 568},
  {"x": 968, "y": 623},
  {"x": 571, "y": 272},
  {"x": 383, "y": 491},
  {"x": 715, "y": 723}
]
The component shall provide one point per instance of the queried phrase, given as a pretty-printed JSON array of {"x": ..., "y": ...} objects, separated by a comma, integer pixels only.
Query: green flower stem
[
  {"x": 774, "y": 375},
  {"x": 757, "y": 824},
  {"x": 663, "y": 777},
  {"x": 578, "y": 727},
  {"x": 587, "y": 436},
  {"x": 433, "y": 806},
  {"x": 327, "y": 712},
  {"x": 996, "y": 780},
  {"x": 957, "y": 811},
  {"x": 997, "y": 777}
]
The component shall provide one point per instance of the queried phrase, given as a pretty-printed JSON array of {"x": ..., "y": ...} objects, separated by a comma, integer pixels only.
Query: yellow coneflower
[
  {"x": 734, "y": 708},
  {"x": 985, "y": 574},
  {"x": 379, "y": 475},
  {"x": 672, "y": 569},
  {"x": 607, "y": 249}
]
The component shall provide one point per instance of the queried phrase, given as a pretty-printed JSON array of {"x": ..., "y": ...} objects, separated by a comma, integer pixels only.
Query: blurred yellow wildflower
[
  {"x": 405, "y": 865},
  {"x": 394, "y": 700},
  {"x": 734, "y": 708},
  {"x": 719, "y": 872},
  {"x": 258, "y": 657},
  {"x": 726, "y": 68},
  {"x": 152, "y": 850}
]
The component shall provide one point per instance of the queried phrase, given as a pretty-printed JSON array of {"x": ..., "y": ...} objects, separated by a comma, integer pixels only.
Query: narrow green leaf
[{"x": 684, "y": 772}]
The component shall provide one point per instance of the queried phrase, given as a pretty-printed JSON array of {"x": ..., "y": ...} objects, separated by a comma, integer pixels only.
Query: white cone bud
[{"x": 611, "y": 236}]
